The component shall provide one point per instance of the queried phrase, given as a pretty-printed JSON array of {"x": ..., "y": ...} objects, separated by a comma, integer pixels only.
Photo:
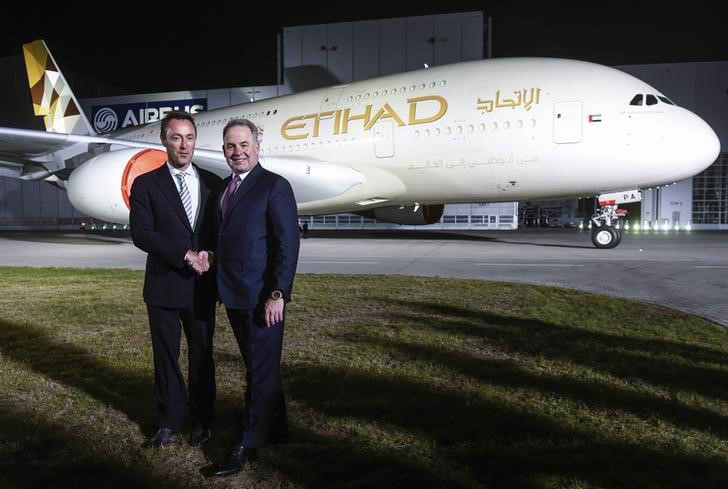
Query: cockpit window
[
  {"x": 650, "y": 99},
  {"x": 637, "y": 100}
]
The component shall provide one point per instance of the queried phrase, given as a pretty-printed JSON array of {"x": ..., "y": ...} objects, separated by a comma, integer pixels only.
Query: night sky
[{"x": 139, "y": 50}]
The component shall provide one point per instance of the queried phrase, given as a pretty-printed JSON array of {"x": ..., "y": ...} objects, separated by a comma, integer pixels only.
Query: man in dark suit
[
  {"x": 256, "y": 258},
  {"x": 171, "y": 218}
]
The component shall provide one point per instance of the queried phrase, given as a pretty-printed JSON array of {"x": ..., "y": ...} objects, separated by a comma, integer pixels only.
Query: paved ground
[{"x": 683, "y": 271}]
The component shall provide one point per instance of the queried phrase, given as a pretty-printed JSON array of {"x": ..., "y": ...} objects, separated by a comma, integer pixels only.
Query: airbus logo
[{"x": 111, "y": 117}]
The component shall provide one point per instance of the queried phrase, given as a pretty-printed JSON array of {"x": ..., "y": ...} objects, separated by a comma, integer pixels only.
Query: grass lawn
[{"x": 391, "y": 381}]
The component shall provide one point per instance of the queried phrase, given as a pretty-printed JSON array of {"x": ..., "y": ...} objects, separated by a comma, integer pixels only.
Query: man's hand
[
  {"x": 274, "y": 311},
  {"x": 199, "y": 262}
]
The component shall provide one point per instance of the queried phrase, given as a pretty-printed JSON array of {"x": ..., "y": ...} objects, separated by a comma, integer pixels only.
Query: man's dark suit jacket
[
  {"x": 258, "y": 241},
  {"x": 159, "y": 226}
]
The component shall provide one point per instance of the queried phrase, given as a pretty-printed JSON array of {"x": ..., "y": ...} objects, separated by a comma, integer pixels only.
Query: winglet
[{"x": 52, "y": 97}]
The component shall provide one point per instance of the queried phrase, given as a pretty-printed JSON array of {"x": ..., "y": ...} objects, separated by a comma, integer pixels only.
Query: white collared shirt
[{"x": 192, "y": 180}]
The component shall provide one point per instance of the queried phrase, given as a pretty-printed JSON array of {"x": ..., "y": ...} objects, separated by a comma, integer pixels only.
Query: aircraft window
[
  {"x": 437, "y": 131},
  {"x": 494, "y": 126},
  {"x": 267, "y": 113},
  {"x": 417, "y": 133},
  {"x": 470, "y": 128},
  {"x": 507, "y": 125},
  {"x": 636, "y": 100},
  {"x": 366, "y": 96},
  {"x": 459, "y": 129},
  {"x": 384, "y": 92},
  {"x": 422, "y": 87},
  {"x": 427, "y": 133},
  {"x": 402, "y": 90},
  {"x": 275, "y": 111},
  {"x": 349, "y": 99},
  {"x": 448, "y": 131},
  {"x": 358, "y": 97},
  {"x": 482, "y": 127},
  {"x": 519, "y": 123},
  {"x": 412, "y": 88},
  {"x": 376, "y": 94},
  {"x": 442, "y": 83},
  {"x": 532, "y": 123},
  {"x": 432, "y": 85},
  {"x": 651, "y": 99},
  {"x": 666, "y": 100},
  {"x": 305, "y": 146}
]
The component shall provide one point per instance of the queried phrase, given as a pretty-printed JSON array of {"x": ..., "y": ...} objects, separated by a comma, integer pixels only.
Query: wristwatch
[{"x": 276, "y": 295}]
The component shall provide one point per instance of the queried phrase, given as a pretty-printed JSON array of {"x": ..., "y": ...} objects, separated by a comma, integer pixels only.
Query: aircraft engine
[
  {"x": 100, "y": 187},
  {"x": 408, "y": 214}
]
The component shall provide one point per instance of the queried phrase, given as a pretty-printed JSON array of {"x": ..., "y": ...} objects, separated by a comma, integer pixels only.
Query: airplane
[{"x": 401, "y": 146}]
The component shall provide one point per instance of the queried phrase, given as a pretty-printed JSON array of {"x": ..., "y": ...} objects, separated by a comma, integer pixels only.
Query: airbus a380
[{"x": 400, "y": 146}]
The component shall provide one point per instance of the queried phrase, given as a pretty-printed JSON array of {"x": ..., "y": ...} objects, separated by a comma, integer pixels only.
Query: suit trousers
[
  {"x": 174, "y": 404},
  {"x": 261, "y": 347}
]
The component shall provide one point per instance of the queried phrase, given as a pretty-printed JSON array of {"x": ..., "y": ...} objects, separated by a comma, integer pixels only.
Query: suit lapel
[
  {"x": 204, "y": 194},
  {"x": 170, "y": 192},
  {"x": 245, "y": 186}
]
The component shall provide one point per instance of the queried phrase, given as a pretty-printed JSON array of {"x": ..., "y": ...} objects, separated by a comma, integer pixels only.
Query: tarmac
[{"x": 685, "y": 271}]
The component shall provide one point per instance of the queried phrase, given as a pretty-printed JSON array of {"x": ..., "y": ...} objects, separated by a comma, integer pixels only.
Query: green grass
[{"x": 392, "y": 382}]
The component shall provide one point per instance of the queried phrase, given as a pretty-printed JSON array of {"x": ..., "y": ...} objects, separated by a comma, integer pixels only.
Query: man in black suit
[
  {"x": 256, "y": 258},
  {"x": 170, "y": 220}
]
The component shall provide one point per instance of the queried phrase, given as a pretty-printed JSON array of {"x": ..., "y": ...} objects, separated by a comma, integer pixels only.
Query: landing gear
[
  {"x": 606, "y": 237},
  {"x": 605, "y": 233}
]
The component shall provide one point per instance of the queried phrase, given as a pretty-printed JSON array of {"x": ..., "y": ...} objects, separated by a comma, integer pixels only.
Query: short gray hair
[{"x": 242, "y": 122}]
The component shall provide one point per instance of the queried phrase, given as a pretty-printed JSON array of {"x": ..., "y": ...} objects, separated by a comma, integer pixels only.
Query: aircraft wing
[
  {"x": 319, "y": 183},
  {"x": 39, "y": 155},
  {"x": 33, "y": 155}
]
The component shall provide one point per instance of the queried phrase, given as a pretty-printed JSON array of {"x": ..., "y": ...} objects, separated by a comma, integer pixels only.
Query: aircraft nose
[{"x": 693, "y": 147}]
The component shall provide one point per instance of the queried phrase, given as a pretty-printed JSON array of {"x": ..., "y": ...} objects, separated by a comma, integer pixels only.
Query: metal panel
[
  {"x": 447, "y": 39},
  {"x": 30, "y": 195},
  {"x": 314, "y": 45},
  {"x": 473, "y": 25},
  {"x": 340, "y": 51},
  {"x": 292, "y": 47},
  {"x": 365, "y": 50},
  {"x": 48, "y": 197},
  {"x": 420, "y": 41},
  {"x": 392, "y": 46}
]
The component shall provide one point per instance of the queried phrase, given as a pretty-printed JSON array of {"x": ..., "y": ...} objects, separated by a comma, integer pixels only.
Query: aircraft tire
[{"x": 606, "y": 237}]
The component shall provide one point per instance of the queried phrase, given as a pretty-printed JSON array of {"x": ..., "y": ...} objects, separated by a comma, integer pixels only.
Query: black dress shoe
[
  {"x": 200, "y": 435},
  {"x": 161, "y": 438},
  {"x": 233, "y": 464}
]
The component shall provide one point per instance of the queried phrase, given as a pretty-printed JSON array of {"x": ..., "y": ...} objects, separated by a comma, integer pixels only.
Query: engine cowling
[
  {"x": 100, "y": 187},
  {"x": 416, "y": 215}
]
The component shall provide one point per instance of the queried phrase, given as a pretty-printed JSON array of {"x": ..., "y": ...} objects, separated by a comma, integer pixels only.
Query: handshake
[{"x": 200, "y": 261}]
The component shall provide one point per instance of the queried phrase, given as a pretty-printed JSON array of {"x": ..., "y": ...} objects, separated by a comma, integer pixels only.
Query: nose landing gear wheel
[{"x": 606, "y": 237}]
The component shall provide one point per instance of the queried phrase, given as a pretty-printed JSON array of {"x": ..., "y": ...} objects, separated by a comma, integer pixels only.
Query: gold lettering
[
  {"x": 413, "y": 109},
  {"x": 317, "y": 119},
  {"x": 287, "y": 126},
  {"x": 337, "y": 121},
  {"x": 365, "y": 117},
  {"x": 385, "y": 112}
]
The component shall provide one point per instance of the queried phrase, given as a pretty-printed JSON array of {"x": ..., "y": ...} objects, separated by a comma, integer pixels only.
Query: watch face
[{"x": 276, "y": 294}]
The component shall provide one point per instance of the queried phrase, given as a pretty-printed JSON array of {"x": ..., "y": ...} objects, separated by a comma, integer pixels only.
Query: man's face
[
  {"x": 241, "y": 149},
  {"x": 180, "y": 143}
]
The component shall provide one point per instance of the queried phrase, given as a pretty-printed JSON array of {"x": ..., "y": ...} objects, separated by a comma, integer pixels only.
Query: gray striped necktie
[{"x": 184, "y": 194}]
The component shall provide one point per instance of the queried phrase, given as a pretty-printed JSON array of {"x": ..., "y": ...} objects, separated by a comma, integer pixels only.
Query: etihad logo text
[{"x": 421, "y": 110}]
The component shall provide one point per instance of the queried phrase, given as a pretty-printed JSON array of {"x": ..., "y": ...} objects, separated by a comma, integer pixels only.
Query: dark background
[{"x": 162, "y": 46}]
